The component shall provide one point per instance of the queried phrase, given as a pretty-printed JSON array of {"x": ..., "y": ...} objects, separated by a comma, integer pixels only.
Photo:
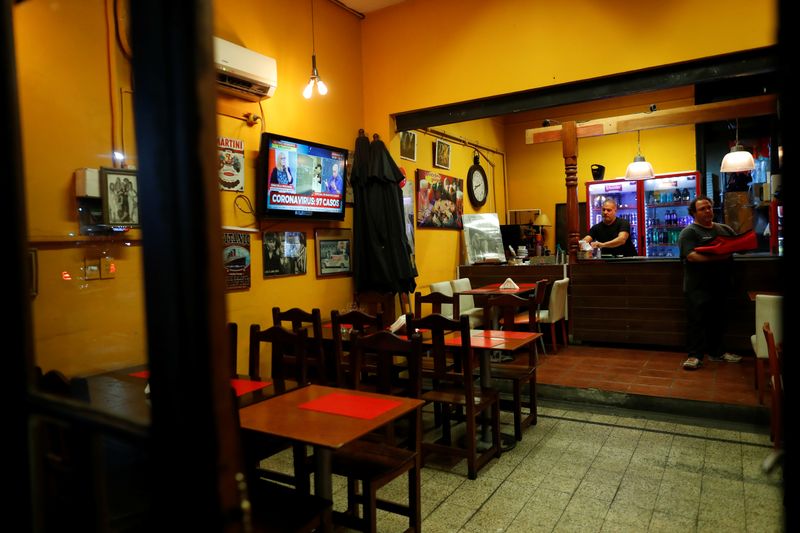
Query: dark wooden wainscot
[{"x": 641, "y": 302}]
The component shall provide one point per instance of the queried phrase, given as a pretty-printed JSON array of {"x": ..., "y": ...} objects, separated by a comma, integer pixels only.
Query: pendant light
[
  {"x": 738, "y": 159},
  {"x": 322, "y": 89},
  {"x": 639, "y": 169}
]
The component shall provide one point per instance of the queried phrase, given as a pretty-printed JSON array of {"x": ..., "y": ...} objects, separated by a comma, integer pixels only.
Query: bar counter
[{"x": 640, "y": 300}]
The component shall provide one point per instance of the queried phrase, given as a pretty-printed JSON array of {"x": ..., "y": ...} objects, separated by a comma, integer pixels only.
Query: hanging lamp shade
[
  {"x": 639, "y": 169},
  {"x": 737, "y": 160}
]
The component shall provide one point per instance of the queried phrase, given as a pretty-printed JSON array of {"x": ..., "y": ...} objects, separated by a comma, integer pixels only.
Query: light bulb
[
  {"x": 322, "y": 88},
  {"x": 308, "y": 89}
]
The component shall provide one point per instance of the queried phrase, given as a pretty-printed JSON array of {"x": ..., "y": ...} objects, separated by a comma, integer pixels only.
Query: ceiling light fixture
[
  {"x": 738, "y": 159},
  {"x": 639, "y": 169},
  {"x": 315, "y": 79}
]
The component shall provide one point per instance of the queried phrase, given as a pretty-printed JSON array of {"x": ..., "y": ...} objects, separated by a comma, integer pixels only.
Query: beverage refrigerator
[
  {"x": 626, "y": 193},
  {"x": 666, "y": 199}
]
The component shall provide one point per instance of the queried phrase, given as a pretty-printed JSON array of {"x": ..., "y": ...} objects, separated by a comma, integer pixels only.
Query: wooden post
[{"x": 569, "y": 146}]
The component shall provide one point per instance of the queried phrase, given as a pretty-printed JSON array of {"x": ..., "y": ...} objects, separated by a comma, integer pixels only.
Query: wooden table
[
  {"x": 282, "y": 416},
  {"x": 483, "y": 293}
]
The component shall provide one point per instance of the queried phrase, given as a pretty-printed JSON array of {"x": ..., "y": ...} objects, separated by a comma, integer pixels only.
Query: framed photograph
[
  {"x": 120, "y": 192},
  {"x": 440, "y": 200},
  {"x": 483, "y": 241},
  {"x": 334, "y": 252},
  {"x": 408, "y": 145},
  {"x": 284, "y": 253},
  {"x": 441, "y": 154}
]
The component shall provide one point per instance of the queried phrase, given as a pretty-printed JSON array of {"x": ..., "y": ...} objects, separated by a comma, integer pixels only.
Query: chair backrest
[
  {"x": 354, "y": 321},
  {"x": 509, "y": 305},
  {"x": 769, "y": 308},
  {"x": 315, "y": 352},
  {"x": 438, "y": 302},
  {"x": 288, "y": 353},
  {"x": 372, "y": 303},
  {"x": 444, "y": 287},
  {"x": 466, "y": 301},
  {"x": 384, "y": 352},
  {"x": 443, "y": 373},
  {"x": 557, "y": 306}
]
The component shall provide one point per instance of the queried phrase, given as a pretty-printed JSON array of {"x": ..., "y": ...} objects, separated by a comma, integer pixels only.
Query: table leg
[
  {"x": 323, "y": 477},
  {"x": 507, "y": 442}
]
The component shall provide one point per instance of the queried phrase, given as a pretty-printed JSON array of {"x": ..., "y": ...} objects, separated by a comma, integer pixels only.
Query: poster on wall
[
  {"x": 284, "y": 253},
  {"x": 440, "y": 200},
  {"x": 236, "y": 259},
  {"x": 231, "y": 164},
  {"x": 408, "y": 210}
]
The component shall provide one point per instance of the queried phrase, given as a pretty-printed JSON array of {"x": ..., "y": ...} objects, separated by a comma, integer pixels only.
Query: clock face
[{"x": 477, "y": 185}]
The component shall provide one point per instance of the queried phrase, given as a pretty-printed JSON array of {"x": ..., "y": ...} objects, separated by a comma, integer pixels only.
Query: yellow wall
[{"x": 76, "y": 108}]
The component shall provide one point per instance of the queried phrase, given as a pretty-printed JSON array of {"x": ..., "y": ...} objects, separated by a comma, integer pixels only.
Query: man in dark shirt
[
  {"x": 612, "y": 234},
  {"x": 706, "y": 285}
]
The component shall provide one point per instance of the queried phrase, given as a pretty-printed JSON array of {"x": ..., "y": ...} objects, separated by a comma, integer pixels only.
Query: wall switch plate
[
  {"x": 108, "y": 268},
  {"x": 91, "y": 268}
]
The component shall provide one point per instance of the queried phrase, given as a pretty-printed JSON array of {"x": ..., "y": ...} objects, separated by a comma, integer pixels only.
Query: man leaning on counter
[{"x": 612, "y": 234}]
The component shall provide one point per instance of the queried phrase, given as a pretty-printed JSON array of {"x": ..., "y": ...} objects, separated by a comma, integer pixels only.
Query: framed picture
[
  {"x": 440, "y": 200},
  {"x": 334, "y": 252},
  {"x": 441, "y": 154},
  {"x": 483, "y": 240},
  {"x": 284, "y": 253},
  {"x": 120, "y": 192},
  {"x": 408, "y": 145}
]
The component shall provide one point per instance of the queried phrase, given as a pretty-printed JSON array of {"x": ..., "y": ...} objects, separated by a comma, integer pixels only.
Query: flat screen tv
[{"x": 299, "y": 179}]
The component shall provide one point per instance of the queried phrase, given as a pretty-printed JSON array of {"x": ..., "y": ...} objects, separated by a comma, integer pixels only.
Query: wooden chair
[
  {"x": 556, "y": 311},
  {"x": 522, "y": 320},
  {"x": 456, "y": 390},
  {"x": 357, "y": 321},
  {"x": 508, "y": 306},
  {"x": 372, "y": 303},
  {"x": 776, "y": 382},
  {"x": 467, "y": 302},
  {"x": 275, "y": 507},
  {"x": 441, "y": 303},
  {"x": 287, "y": 347},
  {"x": 374, "y": 463},
  {"x": 318, "y": 369},
  {"x": 769, "y": 308}
]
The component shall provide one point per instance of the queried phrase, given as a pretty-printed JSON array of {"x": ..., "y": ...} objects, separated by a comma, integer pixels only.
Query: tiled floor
[
  {"x": 583, "y": 469},
  {"x": 593, "y": 468}
]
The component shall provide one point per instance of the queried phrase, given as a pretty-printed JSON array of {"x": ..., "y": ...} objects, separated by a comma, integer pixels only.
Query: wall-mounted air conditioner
[{"x": 244, "y": 73}]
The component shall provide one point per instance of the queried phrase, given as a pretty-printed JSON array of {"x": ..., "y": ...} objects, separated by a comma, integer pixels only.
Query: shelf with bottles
[{"x": 682, "y": 203}]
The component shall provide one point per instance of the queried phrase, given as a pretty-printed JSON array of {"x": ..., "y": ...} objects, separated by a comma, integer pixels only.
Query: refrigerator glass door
[
  {"x": 666, "y": 211},
  {"x": 625, "y": 193}
]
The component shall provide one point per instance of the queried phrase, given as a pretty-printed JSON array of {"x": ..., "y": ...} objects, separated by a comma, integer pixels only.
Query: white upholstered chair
[
  {"x": 556, "y": 311},
  {"x": 768, "y": 309},
  {"x": 445, "y": 288},
  {"x": 467, "y": 302}
]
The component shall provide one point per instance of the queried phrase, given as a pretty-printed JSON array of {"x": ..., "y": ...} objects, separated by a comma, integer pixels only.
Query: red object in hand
[{"x": 724, "y": 244}]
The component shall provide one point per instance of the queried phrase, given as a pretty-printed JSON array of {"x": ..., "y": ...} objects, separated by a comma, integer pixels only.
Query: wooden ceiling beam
[{"x": 730, "y": 109}]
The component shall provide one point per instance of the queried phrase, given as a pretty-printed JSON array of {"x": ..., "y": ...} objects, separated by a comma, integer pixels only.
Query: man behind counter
[{"x": 612, "y": 234}]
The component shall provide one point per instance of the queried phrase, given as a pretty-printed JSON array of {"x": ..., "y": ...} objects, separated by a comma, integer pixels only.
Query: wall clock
[{"x": 477, "y": 183}]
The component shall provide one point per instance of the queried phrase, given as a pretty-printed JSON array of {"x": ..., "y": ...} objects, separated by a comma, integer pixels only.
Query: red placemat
[
  {"x": 475, "y": 342},
  {"x": 352, "y": 405},
  {"x": 497, "y": 334},
  {"x": 243, "y": 386}
]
